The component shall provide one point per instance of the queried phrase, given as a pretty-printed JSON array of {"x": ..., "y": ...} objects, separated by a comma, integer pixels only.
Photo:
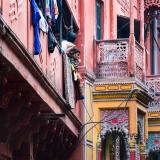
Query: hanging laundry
[
  {"x": 35, "y": 21},
  {"x": 52, "y": 11},
  {"x": 43, "y": 25},
  {"x": 56, "y": 12},
  {"x": 51, "y": 41},
  {"x": 48, "y": 13}
]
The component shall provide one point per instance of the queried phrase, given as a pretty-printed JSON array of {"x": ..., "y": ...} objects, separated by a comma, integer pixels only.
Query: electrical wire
[
  {"x": 154, "y": 38},
  {"x": 90, "y": 120},
  {"x": 101, "y": 121},
  {"x": 108, "y": 115}
]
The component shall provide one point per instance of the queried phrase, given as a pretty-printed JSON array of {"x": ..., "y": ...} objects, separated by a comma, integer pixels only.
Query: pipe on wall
[{"x": 154, "y": 47}]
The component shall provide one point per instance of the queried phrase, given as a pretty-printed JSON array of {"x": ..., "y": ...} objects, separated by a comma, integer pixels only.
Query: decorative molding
[
  {"x": 100, "y": 88},
  {"x": 122, "y": 81},
  {"x": 15, "y": 9},
  {"x": 153, "y": 84},
  {"x": 113, "y": 87},
  {"x": 112, "y": 118},
  {"x": 110, "y": 96},
  {"x": 116, "y": 124},
  {"x": 87, "y": 74},
  {"x": 154, "y": 115},
  {"x": 125, "y": 4},
  {"x": 112, "y": 62},
  {"x": 141, "y": 126},
  {"x": 154, "y": 121},
  {"x": 153, "y": 142}
]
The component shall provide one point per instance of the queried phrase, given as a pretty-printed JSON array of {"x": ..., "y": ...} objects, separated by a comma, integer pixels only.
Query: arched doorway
[{"x": 115, "y": 143}]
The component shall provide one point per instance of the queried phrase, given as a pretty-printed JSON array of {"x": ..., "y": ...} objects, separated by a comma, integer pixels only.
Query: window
[{"x": 98, "y": 20}]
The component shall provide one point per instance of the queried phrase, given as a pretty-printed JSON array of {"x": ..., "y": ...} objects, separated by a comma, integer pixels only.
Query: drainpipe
[
  {"x": 60, "y": 37},
  {"x": 154, "y": 48}
]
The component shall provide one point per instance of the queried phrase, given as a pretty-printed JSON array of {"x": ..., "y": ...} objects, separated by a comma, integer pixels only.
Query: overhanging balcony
[{"x": 113, "y": 59}]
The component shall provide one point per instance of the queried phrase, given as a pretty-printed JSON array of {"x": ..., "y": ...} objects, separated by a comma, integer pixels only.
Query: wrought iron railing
[
  {"x": 113, "y": 59},
  {"x": 153, "y": 84}
]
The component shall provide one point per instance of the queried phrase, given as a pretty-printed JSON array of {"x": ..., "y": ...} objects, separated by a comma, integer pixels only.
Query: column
[
  {"x": 132, "y": 147},
  {"x": 142, "y": 152},
  {"x": 154, "y": 46},
  {"x": 113, "y": 19},
  {"x": 142, "y": 35},
  {"x": 131, "y": 41},
  {"x": 117, "y": 147},
  {"x": 142, "y": 23},
  {"x": 99, "y": 151}
]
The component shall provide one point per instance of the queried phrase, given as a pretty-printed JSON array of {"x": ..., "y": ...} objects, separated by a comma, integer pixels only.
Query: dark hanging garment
[
  {"x": 41, "y": 5},
  {"x": 60, "y": 11},
  {"x": 51, "y": 41},
  {"x": 35, "y": 21},
  {"x": 52, "y": 12}
]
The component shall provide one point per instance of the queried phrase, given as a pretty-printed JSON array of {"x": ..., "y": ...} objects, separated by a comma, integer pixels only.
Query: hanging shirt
[
  {"x": 56, "y": 12},
  {"x": 48, "y": 8},
  {"x": 35, "y": 20},
  {"x": 43, "y": 25},
  {"x": 52, "y": 10}
]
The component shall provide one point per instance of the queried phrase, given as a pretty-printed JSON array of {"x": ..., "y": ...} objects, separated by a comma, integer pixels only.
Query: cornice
[
  {"x": 139, "y": 96},
  {"x": 113, "y": 81},
  {"x": 87, "y": 74},
  {"x": 153, "y": 109}
]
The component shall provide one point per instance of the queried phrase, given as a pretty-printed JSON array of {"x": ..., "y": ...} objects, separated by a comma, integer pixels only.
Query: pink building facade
[{"x": 44, "y": 115}]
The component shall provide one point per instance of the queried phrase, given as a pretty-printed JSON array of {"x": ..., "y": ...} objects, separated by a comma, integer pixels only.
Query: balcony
[
  {"x": 18, "y": 27},
  {"x": 152, "y": 4},
  {"x": 153, "y": 84},
  {"x": 113, "y": 59}
]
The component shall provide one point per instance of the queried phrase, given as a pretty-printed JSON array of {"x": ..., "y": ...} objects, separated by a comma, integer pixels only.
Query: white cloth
[
  {"x": 66, "y": 46},
  {"x": 43, "y": 25}
]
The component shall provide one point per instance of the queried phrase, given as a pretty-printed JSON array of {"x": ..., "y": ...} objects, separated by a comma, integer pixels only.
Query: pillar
[
  {"x": 154, "y": 47},
  {"x": 142, "y": 23},
  {"x": 131, "y": 41},
  {"x": 99, "y": 151},
  {"x": 142, "y": 152},
  {"x": 117, "y": 147},
  {"x": 132, "y": 147},
  {"x": 113, "y": 19},
  {"x": 142, "y": 35}
]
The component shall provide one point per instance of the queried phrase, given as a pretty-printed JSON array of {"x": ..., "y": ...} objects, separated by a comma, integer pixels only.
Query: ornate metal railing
[
  {"x": 153, "y": 84},
  {"x": 138, "y": 61},
  {"x": 152, "y": 4},
  {"x": 112, "y": 58}
]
